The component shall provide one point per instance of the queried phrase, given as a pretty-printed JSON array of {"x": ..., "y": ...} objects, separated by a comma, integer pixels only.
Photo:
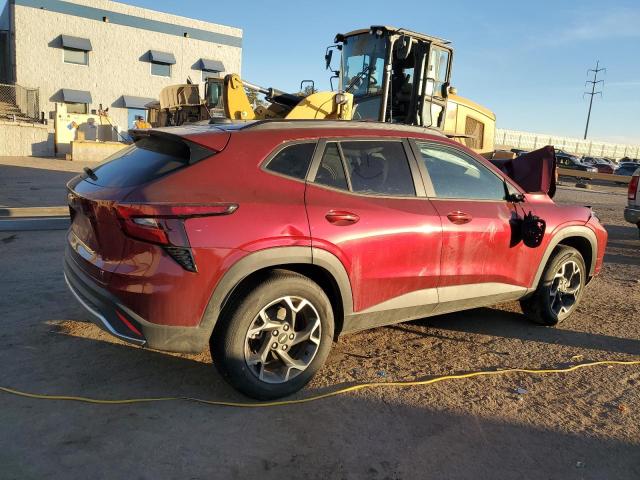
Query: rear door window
[
  {"x": 331, "y": 170},
  {"x": 378, "y": 168},
  {"x": 146, "y": 160},
  {"x": 293, "y": 160}
]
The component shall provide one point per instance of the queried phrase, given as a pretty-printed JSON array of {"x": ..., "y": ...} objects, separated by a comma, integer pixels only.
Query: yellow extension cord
[{"x": 313, "y": 398}]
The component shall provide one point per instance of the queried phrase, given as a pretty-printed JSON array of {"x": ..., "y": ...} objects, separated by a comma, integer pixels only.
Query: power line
[{"x": 593, "y": 92}]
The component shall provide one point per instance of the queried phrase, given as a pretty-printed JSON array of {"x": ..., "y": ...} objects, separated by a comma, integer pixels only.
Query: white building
[{"x": 99, "y": 52}]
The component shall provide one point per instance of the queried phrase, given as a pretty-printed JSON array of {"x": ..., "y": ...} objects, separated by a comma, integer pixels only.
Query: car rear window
[
  {"x": 146, "y": 160},
  {"x": 293, "y": 160}
]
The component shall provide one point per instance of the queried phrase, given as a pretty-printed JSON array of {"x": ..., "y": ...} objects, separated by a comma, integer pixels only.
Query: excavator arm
[{"x": 319, "y": 105}]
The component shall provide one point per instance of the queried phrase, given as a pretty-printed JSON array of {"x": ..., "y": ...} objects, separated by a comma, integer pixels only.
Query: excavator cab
[{"x": 395, "y": 75}]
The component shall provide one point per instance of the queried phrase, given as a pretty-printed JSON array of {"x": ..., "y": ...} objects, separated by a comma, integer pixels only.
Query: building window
[
  {"x": 74, "y": 107},
  {"x": 75, "y": 56},
  {"x": 160, "y": 69}
]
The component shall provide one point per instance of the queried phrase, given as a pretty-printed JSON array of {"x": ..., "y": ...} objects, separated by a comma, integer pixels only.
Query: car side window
[
  {"x": 331, "y": 171},
  {"x": 455, "y": 174},
  {"x": 378, "y": 168},
  {"x": 293, "y": 160}
]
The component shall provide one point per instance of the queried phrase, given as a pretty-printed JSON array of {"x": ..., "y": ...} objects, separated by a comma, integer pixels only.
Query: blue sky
[{"x": 527, "y": 61}]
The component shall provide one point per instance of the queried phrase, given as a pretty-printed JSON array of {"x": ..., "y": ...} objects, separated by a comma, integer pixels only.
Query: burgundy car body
[{"x": 381, "y": 259}]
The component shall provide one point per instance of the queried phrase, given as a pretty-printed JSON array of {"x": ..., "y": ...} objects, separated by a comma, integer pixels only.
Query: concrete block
[{"x": 88, "y": 151}]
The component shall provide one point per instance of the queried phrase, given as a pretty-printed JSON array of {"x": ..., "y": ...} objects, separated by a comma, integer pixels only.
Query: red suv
[{"x": 267, "y": 240}]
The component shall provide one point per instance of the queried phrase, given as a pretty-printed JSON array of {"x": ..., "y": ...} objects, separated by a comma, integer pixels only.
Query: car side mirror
[{"x": 515, "y": 197}]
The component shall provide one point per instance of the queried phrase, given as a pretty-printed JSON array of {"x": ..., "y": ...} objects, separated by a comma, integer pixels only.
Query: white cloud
[{"x": 597, "y": 25}]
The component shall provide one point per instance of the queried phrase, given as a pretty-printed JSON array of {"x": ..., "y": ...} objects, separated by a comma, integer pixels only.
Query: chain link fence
[
  {"x": 19, "y": 103},
  {"x": 533, "y": 141}
]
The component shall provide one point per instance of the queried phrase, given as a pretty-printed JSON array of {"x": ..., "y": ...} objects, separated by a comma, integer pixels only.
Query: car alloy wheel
[
  {"x": 565, "y": 288},
  {"x": 283, "y": 339}
]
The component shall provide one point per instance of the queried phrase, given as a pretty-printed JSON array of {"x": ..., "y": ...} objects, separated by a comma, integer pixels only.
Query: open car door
[{"x": 534, "y": 171}]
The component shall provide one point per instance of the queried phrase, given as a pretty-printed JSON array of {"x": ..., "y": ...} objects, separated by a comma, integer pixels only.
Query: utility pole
[{"x": 593, "y": 92}]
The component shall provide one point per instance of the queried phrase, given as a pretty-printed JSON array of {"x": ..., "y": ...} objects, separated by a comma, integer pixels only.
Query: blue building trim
[{"x": 92, "y": 13}]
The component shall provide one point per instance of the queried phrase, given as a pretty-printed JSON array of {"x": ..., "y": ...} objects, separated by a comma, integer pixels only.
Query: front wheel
[
  {"x": 559, "y": 290},
  {"x": 275, "y": 336}
]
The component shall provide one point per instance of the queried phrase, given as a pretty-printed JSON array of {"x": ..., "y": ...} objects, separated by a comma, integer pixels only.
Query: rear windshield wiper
[{"x": 90, "y": 173}]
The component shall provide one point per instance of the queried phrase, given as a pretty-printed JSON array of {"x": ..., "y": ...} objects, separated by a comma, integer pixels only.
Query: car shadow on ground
[
  {"x": 350, "y": 436},
  {"x": 621, "y": 259},
  {"x": 511, "y": 325},
  {"x": 621, "y": 232},
  {"x": 146, "y": 372},
  {"x": 344, "y": 437},
  {"x": 374, "y": 435},
  {"x": 33, "y": 187}
]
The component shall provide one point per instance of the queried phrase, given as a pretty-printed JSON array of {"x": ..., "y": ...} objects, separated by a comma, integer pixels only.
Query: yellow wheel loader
[
  {"x": 385, "y": 74},
  {"x": 400, "y": 76}
]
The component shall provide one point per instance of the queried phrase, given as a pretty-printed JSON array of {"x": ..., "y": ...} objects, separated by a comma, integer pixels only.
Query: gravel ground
[{"x": 582, "y": 425}]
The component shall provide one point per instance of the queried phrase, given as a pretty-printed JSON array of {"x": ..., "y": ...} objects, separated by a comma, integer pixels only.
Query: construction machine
[
  {"x": 317, "y": 105},
  {"x": 400, "y": 76},
  {"x": 385, "y": 74},
  {"x": 395, "y": 75},
  {"x": 227, "y": 98}
]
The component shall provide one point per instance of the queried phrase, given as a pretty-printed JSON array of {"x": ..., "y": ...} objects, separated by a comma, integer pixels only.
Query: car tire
[
  {"x": 552, "y": 302},
  {"x": 263, "y": 316}
]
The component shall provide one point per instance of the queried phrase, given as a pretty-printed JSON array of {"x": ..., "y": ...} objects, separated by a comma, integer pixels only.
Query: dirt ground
[{"x": 583, "y": 425}]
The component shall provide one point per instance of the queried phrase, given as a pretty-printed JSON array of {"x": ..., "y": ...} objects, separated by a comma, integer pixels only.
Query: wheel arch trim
[
  {"x": 562, "y": 234},
  {"x": 275, "y": 257}
]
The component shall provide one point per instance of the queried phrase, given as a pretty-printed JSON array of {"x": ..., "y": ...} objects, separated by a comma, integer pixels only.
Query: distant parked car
[
  {"x": 627, "y": 168},
  {"x": 599, "y": 163},
  {"x": 604, "y": 168},
  {"x": 573, "y": 163},
  {"x": 632, "y": 211},
  {"x": 566, "y": 155}
]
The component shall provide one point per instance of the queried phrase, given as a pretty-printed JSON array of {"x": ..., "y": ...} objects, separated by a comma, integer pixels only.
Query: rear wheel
[
  {"x": 559, "y": 290},
  {"x": 274, "y": 336}
]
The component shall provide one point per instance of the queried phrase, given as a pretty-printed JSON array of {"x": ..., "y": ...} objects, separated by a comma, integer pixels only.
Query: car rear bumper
[
  {"x": 118, "y": 320},
  {"x": 632, "y": 214}
]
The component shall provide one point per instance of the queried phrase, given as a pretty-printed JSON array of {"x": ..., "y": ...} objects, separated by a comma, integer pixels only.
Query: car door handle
[
  {"x": 459, "y": 218},
  {"x": 341, "y": 218}
]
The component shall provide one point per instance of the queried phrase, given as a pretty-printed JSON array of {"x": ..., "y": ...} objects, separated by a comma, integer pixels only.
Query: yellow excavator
[{"x": 385, "y": 74}]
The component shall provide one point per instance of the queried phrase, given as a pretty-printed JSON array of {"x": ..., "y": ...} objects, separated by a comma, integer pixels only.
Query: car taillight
[
  {"x": 148, "y": 229},
  {"x": 633, "y": 187},
  {"x": 163, "y": 224}
]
